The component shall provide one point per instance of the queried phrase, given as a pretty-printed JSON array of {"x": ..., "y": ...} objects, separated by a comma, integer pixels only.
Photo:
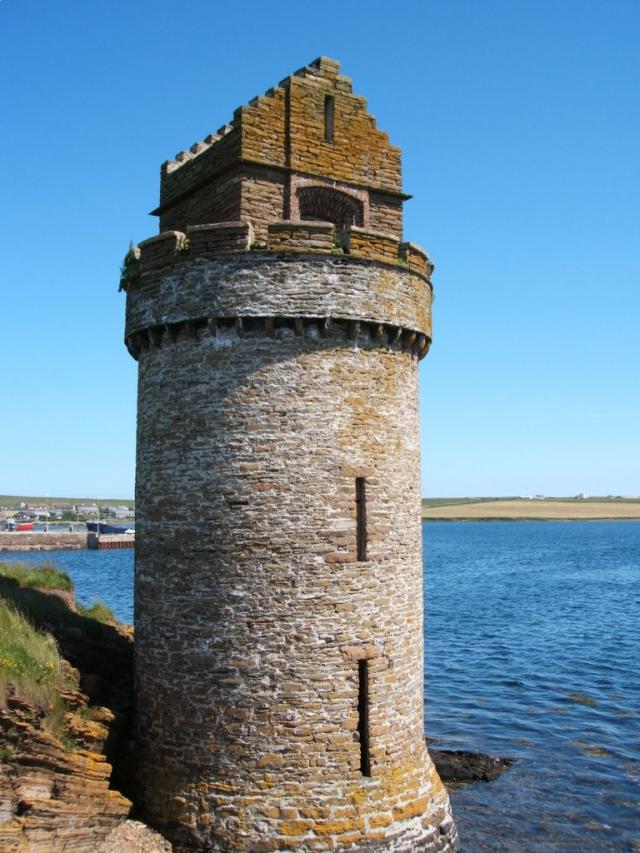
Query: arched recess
[{"x": 329, "y": 205}]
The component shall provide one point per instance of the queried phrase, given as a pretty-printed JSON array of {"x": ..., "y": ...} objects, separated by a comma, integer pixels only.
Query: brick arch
[{"x": 329, "y": 205}]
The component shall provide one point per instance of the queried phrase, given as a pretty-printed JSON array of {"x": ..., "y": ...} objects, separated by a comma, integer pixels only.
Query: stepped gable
[{"x": 306, "y": 149}]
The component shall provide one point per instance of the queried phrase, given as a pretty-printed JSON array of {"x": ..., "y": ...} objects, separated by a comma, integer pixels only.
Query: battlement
[
  {"x": 197, "y": 148},
  {"x": 363, "y": 285},
  {"x": 220, "y": 239}
]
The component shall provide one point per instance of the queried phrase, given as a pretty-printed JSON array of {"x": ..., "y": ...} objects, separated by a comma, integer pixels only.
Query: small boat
[
  {"x": 24, "y": 525},
  {"x": 102, "y": 527}
]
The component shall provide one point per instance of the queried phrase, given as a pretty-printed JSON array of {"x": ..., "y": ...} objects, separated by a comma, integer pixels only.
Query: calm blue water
[{"x": 532, "y": 651}]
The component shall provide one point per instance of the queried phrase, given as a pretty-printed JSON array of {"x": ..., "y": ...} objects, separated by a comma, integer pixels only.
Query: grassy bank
[
  {"x": 45, "y": 576},
  {"x": 31, "y": 667},
  {"x": 514, "y": 509},
  {"x": 66, "y": 691}
]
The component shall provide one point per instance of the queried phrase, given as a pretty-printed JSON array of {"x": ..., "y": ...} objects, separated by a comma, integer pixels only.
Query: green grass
[
  {"x": 31, "y": 664},
  {"x": 429, "y": 502},
  {"x": 20, "y": 584},
  {"x": 45, "y": 576},
  {"x": 98, "y": 611}
]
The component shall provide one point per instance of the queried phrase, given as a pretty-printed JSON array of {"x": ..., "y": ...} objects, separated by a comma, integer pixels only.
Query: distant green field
[
  {"x": 11, "y": 500},
  {"x": 429, "y": 502},
  {"x": 550, "y": 509}
]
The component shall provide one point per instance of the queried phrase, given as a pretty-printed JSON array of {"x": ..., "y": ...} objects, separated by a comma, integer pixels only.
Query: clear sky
[{"x": 520, "y": 128}]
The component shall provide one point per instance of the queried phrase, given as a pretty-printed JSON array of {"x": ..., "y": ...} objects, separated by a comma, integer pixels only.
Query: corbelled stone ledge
[
  {"x": 349, "y": 285},
  {"x": 380, "y": 334}
]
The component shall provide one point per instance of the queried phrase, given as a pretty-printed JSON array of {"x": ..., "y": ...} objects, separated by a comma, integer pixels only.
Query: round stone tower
[{"x": 278, "y": 320}]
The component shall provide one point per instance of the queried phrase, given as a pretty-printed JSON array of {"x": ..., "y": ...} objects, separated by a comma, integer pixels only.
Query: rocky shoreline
[{"x": 60, "y": 791}]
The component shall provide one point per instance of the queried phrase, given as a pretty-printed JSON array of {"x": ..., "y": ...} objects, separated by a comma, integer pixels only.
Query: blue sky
[{"x": 520, "y": 129}]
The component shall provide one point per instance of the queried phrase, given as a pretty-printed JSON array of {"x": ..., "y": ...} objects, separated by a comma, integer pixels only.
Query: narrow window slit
[
  {"x": 363, "y": 716},
  {"x": 361, "y": 519},
  {"x": 329, "y": 112}
]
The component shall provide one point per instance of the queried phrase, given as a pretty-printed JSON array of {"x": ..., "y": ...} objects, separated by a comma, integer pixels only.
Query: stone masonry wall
[
  {"x": 252, "y": 609},
  {"x": 359, "y": 154},
  {"x": 308, "y": 286},
  {"x": 222, "y": 202},
  {"x": 385, "y": 214},
  {"x": 263, "y": 200}
]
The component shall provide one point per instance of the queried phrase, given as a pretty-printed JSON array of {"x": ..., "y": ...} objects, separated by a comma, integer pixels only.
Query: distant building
[
  {"x": 86, "y": 509},
  {"x": 119, "y": 511},
  {"x": 581, "y": 496}
]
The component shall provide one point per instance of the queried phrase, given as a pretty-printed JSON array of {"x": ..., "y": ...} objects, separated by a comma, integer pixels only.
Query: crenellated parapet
[
  {"x": 220, "y": 239},
  {"x": 351, "y": 283}
]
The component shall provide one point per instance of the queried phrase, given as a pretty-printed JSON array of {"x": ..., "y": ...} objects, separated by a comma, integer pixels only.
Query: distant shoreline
[
  {"x": 525, "y": 518},
  {"x": 509, "y": 509}
]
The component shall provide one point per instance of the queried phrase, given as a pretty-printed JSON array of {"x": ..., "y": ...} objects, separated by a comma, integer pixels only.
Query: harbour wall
[{"x": 40, "y": 541}]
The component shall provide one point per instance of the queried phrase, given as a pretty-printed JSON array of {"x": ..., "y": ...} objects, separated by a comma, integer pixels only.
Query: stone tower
[{"x": 278, "y": 320}]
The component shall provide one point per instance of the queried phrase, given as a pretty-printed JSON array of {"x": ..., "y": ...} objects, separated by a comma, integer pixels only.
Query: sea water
[{"x": 532, "y": 651}]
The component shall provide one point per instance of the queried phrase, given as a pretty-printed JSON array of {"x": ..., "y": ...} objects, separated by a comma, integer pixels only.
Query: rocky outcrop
[
  {"x": 58, "y": 791},
  {"x": 54, "y": 793}
]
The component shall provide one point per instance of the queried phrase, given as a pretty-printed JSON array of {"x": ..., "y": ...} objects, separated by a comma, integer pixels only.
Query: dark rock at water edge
[{"x": 460, "y": 767}]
